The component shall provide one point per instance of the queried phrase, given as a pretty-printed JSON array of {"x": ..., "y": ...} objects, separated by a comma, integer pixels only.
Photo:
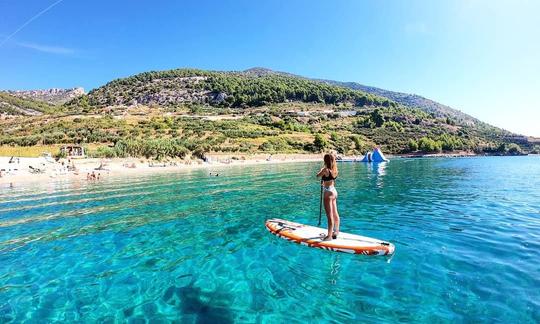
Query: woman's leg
[
  {"x": 328, "y": 208},
  {"x": 335, "y": 215}
]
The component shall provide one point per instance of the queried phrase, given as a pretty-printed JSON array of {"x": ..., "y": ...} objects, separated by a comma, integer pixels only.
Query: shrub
[
  {"x": 153, "y": 148},
  {"x": 450, "y": 142},
  {"x": 426, "y": 144},
  {"x": 275, "y": 145},
  {"x": 104, "y": 152},
  {"x": 319, "y": 143},
  {"x": 377, "y": 117},
  {"x": 393, "y": 125},
  {"x": 60, "y": 155},
  {"x": 343, "y": 145},
  {"x": 200, "y": 152},
  {"x": 514, "y": 149},
  {"x": 413, "y": 145}
]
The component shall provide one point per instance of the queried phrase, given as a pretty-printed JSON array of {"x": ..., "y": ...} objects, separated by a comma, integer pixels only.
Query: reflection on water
[
  {"x": 378, "y": 169},
  {"x": 335, "y": 268},
  {"x": 193, "y": 248}
]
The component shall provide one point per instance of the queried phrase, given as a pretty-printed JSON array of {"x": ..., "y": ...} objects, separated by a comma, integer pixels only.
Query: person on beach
[
  {"x": 328, "y": 174},
  {"x": 91, "y": 176}
]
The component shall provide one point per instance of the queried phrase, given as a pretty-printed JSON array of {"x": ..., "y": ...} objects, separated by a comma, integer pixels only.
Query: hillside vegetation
[
  {"x": 12, "y": 105},
  {"x": 220, "y": 89},
  {"x": 185, "y": 112},
  {"x": 412, "y": 101}
]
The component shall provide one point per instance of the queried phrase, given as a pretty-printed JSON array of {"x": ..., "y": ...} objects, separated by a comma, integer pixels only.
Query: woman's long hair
[{"x": 330, "y": 163}]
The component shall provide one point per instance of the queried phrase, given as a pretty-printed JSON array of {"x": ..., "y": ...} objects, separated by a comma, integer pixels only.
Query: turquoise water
[{"x": 192, "y": 247}]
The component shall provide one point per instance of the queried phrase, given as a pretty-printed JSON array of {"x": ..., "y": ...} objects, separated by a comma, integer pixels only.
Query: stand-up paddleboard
[{"x": 312, "y": 236}]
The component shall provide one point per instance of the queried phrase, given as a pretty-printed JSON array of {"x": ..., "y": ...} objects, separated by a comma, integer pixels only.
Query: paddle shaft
[{"x": 320, "y": 205}]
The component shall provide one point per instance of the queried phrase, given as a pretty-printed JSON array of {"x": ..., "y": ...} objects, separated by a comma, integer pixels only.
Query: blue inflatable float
[{"x": 375, "y": 156}]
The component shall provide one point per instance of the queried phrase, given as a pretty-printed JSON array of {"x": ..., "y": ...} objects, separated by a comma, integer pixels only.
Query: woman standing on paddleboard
[{"x": 328, "y": 176}]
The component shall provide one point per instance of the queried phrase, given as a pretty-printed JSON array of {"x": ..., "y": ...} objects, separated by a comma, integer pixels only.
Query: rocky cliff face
[
  {"x": 157, "y": 91},
  {"x": 53, "y": 96}
]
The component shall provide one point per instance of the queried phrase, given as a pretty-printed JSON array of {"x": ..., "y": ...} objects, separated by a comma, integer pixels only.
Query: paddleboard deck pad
[{"x": 313, "y": 237}]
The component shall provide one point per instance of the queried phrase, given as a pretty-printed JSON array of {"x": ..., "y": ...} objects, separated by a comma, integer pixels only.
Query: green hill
[
  {"x": 412, "y": 101},
  {"x": 409, "y": 100},
  {"x": 221, "y": 89},
  {"x": 16, "y": 106},
  {"x": 186, "y": 111}
]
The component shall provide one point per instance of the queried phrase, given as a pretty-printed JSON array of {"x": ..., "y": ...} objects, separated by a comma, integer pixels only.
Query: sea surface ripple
[{"x": 193, "y": 247}]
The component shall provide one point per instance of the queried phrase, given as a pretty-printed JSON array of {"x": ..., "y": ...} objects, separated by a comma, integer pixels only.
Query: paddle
[{"x": 320, "y": 205}]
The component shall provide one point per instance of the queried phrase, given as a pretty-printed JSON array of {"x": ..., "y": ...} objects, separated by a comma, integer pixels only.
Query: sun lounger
[
  {"x": 35, "y": 170},
  {"x": 101, "y": 167},
  {"x": 152, "y": 165}
]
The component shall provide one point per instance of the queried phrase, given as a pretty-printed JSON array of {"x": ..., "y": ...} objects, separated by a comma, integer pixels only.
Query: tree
[
  {"x": 426, "y": 144},
  {"x": 413, "y": 145},
  {"x": 358, "y": 143},
  {"x": 377, "y": 117},
  {"x": 320, "y": 143},
  {"x": 514, "y": 149},
  {"x": 200, "y": 152}
]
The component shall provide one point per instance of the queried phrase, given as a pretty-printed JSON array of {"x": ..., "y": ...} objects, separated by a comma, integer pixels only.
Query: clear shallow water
[{"x": 192, "y": 247}]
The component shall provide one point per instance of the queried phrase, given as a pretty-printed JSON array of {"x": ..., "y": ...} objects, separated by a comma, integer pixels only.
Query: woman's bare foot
[{"x": 327, "y": 238}]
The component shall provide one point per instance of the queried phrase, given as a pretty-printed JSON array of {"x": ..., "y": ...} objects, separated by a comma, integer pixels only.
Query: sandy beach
[
  {"x": 24, "y": 170},
  {"x": 17, "y": 170}
]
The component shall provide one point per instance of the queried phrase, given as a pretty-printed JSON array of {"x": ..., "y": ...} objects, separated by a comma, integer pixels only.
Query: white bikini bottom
[{"x": 330, "y": 189}]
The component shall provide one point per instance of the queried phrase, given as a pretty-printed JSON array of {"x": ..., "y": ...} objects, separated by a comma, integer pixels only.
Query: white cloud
[{"x": 48, "y": 48}]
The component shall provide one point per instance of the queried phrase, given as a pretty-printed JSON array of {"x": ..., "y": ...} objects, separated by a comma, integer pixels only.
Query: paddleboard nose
[{"x": 391, "y": 249}]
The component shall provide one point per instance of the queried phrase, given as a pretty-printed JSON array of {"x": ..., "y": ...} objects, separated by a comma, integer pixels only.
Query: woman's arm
[{"x": 321, "y": 172}]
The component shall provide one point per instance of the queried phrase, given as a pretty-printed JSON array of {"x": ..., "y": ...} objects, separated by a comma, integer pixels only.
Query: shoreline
[
  {"x": 437, "y": 155},
  {"x": 48, "y": 170},
  {"x": 451, "y": 155},
  {"x": 25, "y": 170}
]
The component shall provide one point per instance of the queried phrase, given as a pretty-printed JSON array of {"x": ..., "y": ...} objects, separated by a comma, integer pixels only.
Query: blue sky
[{"x": 479, "y": 56}]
